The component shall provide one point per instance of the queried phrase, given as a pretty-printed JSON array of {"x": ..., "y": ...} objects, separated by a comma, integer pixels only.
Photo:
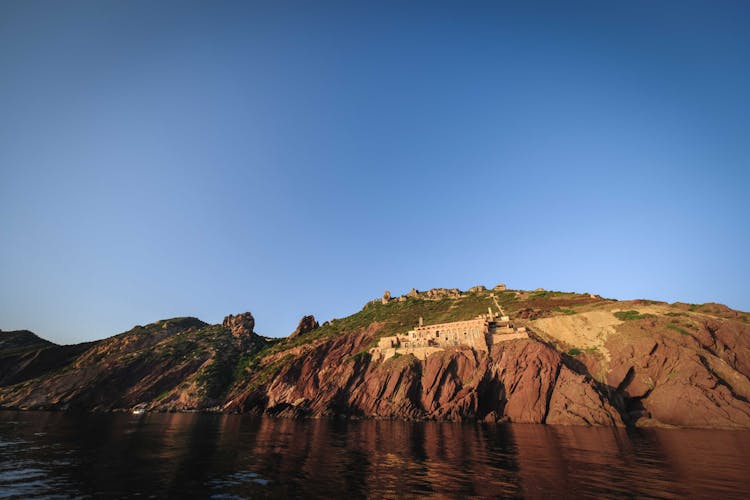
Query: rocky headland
[{"x": 587, "y": 361}]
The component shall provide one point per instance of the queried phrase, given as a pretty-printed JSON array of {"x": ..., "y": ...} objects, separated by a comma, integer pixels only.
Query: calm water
[{"x": 227, "y": 456}]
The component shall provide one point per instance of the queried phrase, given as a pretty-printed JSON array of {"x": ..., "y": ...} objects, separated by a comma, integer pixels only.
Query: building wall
[
  {"x": 424, "y": 340},
  {"x": 471, "y": 333},
  {"x": 387, "y": 342}
]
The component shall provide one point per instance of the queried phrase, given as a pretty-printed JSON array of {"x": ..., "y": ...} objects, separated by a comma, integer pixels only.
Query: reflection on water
[{"x": 228, "y": 456}]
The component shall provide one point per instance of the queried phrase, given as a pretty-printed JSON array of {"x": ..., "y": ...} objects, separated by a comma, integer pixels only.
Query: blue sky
[{"x": 162, "y": 159}]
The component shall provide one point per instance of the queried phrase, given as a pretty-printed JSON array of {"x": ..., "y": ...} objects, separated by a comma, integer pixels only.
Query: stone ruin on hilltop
[{"x": 480, "y": 333}]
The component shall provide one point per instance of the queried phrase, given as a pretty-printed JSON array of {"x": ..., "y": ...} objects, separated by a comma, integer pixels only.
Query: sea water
[{"x": 78, "y": 455}]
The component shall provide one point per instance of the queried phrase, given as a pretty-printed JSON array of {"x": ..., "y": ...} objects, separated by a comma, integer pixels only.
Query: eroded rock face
[
  {"x": 240, "y": 324},
  {"x": 519, "y": 381},
  {"x": 695, "y": 381},
  {"x": 306, "y": 324}
]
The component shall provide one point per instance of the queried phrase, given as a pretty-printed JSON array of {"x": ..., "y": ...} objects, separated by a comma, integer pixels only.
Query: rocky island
[{"x": 494, "y": 355}]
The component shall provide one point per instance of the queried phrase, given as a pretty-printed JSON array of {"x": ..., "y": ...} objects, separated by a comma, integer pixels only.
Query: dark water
[{"x": 228, "y": 456}]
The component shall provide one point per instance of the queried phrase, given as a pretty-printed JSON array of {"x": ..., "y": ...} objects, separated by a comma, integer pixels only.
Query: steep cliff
[{"x": 589, "y": 361}]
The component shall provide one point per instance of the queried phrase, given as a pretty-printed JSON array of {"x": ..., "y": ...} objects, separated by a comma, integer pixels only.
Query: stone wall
[
  {"x": 471, "y": 333},
  {"x": 479, "y": 333},
  {"x": 418, "y": 352},
  {"x": 502, "y": 337}
]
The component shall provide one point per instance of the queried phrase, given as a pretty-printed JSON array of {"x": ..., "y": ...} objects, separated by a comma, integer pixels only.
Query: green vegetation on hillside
[
  {"x": 402, "y": 316},
  {"x": 565, "y": 311},
  {"x": 548, "y": 294},
  {"x": 678, "y": 329},
  {"x": 631, "y": 315}
]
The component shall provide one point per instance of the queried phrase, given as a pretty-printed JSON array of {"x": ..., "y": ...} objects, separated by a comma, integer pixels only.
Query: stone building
[{"x": 479, "y": 333}]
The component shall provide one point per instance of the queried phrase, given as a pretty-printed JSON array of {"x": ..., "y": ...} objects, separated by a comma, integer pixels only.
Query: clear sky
[{"x": 164, "y": 159}]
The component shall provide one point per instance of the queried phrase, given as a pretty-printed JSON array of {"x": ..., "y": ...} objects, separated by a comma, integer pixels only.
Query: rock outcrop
[
  {"x": 692, "y": 381},
  {"x": 442, "y": 293},
  {"x": 306, "y": 325},
  {"x": 240, "y": 324}
]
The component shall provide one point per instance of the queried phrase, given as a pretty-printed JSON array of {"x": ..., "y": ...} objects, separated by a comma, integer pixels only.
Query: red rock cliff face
[
  {"x": 520, "y": 381},
  {"x": 653, "y": 375},
  {"x": 696, "y": 380}
]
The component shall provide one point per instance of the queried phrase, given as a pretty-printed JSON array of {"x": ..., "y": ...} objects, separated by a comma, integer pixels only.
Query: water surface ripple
[{"x": 62, "y": 455}]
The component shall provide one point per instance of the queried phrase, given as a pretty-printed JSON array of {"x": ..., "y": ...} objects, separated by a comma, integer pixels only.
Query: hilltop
[{"x": 587, "y": 360}]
